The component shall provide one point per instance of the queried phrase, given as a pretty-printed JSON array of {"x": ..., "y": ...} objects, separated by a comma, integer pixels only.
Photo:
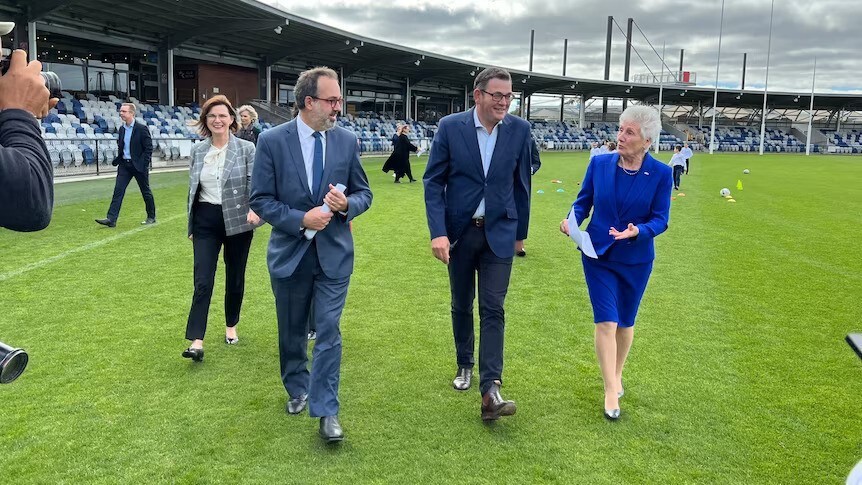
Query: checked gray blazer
[{"x": 236, "y": 182}]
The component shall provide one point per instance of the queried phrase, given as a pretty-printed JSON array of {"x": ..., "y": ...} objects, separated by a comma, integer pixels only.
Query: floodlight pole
[
  {"x": 811, "y": 110},
  {"x": 715, "y": 96},
  {"x": 766, "y": 83},
  {"x": 563, "y": 97},
  {"x": 660, "y": 93}
]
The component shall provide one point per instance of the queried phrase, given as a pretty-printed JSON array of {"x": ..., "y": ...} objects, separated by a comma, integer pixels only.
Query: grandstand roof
[{"x": 243, "y": 32}]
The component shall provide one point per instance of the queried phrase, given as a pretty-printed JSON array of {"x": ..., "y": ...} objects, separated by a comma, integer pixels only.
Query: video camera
[{"x": 52, "y": 81}]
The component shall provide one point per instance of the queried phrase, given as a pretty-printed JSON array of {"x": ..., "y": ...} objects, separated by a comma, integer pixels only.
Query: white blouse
[{"x": 211, "y": 174}]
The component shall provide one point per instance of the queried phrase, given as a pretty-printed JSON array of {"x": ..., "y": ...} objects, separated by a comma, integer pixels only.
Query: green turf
[{"x": 738, "y": 374}]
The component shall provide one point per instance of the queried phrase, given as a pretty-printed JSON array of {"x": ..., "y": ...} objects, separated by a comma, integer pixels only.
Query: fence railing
[{"x": 93, "y": 156}]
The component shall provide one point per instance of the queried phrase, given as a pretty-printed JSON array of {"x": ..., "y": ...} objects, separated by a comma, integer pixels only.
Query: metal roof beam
[
  {"x": 177, "y": 37},
  {"x": 38, "y": 9}
]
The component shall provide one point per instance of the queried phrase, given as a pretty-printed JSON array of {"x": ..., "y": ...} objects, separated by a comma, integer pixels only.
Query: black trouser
[
  {"x": 677, "y": 172},
  {"x": 208, "y": 236},
  {"x": 687, "y": 165},
  {"x": 407, "y": 171},
  {"x": 471, "y": 255},
  {"x": 125, "y": 172}
]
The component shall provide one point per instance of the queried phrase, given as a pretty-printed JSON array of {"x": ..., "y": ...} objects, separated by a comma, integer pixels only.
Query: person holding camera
[
  {"x": 26, "y": 175},
  {"x": 135, "y": 151}
]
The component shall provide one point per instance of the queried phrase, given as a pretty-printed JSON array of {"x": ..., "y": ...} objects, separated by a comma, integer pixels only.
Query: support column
[
  {"x": 607, "y": 63},
  {"x": 582, "y": 116},
  {"x": 264, "y": 79},
  {"x": 171, "y": 100},
  {"x": 407, "y": 101},
  {"x": 162, "y": 72},
  {"x": 31, "y": 40},
  {"x": 466, "y": 98},
  {"x": 629, "y": 57},
  {"x": 343, "y": 92}
]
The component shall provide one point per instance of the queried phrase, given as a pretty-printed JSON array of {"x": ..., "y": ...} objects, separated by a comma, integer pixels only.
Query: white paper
[
  {"x": 420, "y": 152},
  {"x": 581, "y": 238},
  {"x": 309, "y": 233}
]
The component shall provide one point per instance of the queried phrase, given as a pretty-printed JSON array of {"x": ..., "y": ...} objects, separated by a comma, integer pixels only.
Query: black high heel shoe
[{"x": 197, "y": 355}]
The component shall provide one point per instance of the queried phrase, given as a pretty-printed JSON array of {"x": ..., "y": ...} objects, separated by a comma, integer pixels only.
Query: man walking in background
[{"x": 135, "y": 153}]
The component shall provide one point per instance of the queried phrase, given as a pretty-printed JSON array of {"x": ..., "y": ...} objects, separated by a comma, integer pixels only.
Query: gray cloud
[{"x": 498, "y": 32}]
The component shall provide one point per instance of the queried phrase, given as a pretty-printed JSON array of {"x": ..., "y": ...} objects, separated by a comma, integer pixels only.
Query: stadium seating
[{"x": 746, "y": 139}]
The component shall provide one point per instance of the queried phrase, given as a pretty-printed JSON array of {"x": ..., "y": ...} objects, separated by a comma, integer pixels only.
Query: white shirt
[
  {"x": 603, "y": 149},
  {"x": 306, "y": 141},
  {"x": 595, "y": 151},
  {"x": 686, "y": 152},
  {"x": 677, "y": 159},
  {"x": 487, "y": 143},
  {"x": 211, "y": 175}
]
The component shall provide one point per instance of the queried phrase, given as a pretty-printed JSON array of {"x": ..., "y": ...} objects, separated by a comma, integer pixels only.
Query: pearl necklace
[{"x": 629, "y": 172}]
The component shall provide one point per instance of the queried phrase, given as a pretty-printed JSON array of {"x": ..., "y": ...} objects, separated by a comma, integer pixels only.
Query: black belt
[{"x": 478, "y": 222}]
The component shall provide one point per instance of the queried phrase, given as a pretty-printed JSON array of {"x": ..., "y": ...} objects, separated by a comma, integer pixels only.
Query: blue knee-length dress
[{"x": 616, "y": 281}]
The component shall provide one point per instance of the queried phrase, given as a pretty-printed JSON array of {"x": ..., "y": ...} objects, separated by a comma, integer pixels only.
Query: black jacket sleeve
[{"x": 26, "y": 174}]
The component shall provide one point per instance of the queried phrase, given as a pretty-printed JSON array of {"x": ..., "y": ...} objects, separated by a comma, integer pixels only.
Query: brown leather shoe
[{"x": 493, "y": 404}]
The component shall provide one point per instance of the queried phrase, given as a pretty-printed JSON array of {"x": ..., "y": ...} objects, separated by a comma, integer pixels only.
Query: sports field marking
[{"x": 86, "y": 247}]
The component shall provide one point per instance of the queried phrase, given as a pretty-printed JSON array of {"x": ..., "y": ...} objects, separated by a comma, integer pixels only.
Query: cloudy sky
[{"x": 498, "y": 32}]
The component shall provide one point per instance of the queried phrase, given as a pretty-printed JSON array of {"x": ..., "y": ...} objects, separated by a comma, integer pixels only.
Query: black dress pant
[
  {"x": 125, "y": 173},
  {"x": 677, "y": 173},
  {"x": 687, "y": 165},
  {"x": 470, "y": 256},
  {"x": 208, "y": 236}
]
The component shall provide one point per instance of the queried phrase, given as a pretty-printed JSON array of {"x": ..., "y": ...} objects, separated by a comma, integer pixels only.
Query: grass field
[{"x": 738, "y": 374}]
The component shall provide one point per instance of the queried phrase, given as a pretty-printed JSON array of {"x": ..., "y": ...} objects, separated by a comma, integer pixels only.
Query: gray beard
[{"x": 328, "y": 124}]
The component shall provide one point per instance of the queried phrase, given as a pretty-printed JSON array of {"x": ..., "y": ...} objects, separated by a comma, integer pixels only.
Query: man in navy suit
[
  {"x": 134, "y": 155},
  {"x": 477, "y": 199},
  {"x": 297, "y": 166}
]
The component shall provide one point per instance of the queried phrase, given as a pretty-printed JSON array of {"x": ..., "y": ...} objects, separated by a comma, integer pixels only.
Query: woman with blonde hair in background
[{"x": 247, "y": 124}]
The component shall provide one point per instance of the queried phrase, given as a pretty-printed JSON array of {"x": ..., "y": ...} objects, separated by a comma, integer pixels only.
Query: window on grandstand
[{"x": 71, "y": 76}]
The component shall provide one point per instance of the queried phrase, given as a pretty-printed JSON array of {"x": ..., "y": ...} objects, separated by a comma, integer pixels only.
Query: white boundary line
[{"x": 95, "y": 244}]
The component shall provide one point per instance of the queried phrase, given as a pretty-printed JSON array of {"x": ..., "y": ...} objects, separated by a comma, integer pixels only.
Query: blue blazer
[
  {"x": 455, "y": 182},
  {"x": 647, "y": 206},
  {"x": 280, "y": 196},
  {"x": 140, "y": 147}
]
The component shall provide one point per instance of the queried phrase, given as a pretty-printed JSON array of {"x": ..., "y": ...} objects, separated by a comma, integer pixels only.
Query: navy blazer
[
  {"x": 140, "y": 147},
  {"x": 280, "y": 196},
  {"x": 455, "y": 182},
  {"x": 647, "y": 206}
]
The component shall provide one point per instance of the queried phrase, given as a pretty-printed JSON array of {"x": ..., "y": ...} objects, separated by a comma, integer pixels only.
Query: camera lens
[
  {"x": 12, "y": 363},
  {"x": 52, "y": 82}
]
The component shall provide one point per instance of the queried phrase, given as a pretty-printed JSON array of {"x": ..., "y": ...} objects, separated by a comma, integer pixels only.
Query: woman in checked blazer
[{"x": 219, "y": 215}]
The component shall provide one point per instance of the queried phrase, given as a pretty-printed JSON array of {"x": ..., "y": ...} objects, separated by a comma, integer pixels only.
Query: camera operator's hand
[{"x": 22, "y": 87}]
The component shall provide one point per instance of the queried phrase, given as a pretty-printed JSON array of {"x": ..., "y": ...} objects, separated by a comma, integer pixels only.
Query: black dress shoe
[
  {"x": 522, "y": 253},
  {"x": 106, "y": 222},
  {"x": 463, "y": 378},
  {"x": 197, "y": 355},
  {"x": 493, "y": 404},
  {"x": 330, "y": 429},
  {"x": 312, "y": 335},
  {"x": 297, "y": 404}
]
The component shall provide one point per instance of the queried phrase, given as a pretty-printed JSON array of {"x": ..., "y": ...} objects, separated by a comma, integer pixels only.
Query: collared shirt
[
  {"x": 211, "y": 174},
  {"x": 306, "y": 142},
  {"x": 127, "y": 140},
  {"x": 677, "y": 159},
  {"x": 686, "y": 152},
  {"x": 487, "y": 142}
]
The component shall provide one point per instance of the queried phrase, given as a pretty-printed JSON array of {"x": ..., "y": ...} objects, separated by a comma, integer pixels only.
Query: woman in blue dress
[{"x": 628, "y": 193}]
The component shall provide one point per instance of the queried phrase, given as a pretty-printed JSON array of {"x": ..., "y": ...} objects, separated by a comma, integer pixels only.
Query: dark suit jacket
[
  {"x": 280, "y": 196},
  {"x": 535, "y": 160},
  {"x": 141, "y": 147},
  {"x": 647, "y": 206},
  {"x": 26, "y": 175},
  {"x": 455, "y": 182}
]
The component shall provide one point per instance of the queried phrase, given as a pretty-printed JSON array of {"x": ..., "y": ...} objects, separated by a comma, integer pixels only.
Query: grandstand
[{"x": 168, "y": 65}]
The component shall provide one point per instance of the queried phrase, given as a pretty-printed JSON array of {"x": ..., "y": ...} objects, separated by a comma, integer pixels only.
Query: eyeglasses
[
  {"x": 217, "y": 117},
  {"x": 333, "y": 102},
  {"x": 500, "y": 96}
]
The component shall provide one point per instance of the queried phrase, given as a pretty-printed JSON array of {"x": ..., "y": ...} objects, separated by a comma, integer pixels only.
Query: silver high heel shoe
[{"x": 612, "y": 414}]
